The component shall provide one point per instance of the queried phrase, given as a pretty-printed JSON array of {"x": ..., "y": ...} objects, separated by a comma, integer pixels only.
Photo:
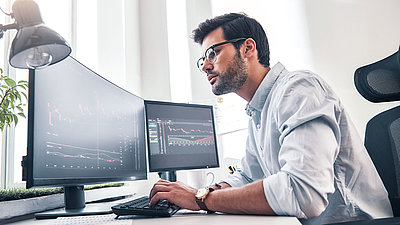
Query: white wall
[{"x": 345, "y": 35}]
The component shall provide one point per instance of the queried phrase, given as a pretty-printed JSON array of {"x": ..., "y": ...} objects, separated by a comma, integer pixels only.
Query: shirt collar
[{"x": 258, "y": 100}]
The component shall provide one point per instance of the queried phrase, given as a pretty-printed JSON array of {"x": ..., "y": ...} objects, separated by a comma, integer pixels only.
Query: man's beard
[{"x": 232, "y": 79}]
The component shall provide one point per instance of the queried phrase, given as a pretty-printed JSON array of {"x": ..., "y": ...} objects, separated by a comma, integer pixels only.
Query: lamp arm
[{"x": 7, "y": 27}]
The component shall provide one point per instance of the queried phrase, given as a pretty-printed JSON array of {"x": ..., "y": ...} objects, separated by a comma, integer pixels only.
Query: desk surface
[{"x": 183, "y": 217}]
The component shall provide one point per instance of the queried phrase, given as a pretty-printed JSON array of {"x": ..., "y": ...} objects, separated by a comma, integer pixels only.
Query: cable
[
  {"x": 8, "y": 14},
  {"x": 213, "y": 176}
]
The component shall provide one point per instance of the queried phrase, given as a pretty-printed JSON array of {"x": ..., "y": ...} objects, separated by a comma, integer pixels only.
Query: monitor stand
[
  {"x": 168, "y": 175},
  {"x": 74, "y": 198}
]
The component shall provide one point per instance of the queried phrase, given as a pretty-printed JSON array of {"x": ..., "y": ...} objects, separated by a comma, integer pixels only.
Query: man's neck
[{"x": 252, "y": 83}]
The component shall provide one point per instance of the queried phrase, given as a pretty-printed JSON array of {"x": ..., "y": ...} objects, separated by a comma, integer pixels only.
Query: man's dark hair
[{"x": 236, "y": 25}]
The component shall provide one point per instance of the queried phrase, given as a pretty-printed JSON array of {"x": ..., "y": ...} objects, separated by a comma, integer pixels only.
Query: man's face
[{"x": 229, "y": 71}]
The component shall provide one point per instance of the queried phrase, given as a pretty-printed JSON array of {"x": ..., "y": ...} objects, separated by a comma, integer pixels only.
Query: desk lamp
[{"x": 35, "y": 46}]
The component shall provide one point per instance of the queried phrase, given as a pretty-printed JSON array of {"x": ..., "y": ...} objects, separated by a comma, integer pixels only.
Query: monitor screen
[
  {"x": 180, "y": 136},
  {"x": 82, "y": 129}
]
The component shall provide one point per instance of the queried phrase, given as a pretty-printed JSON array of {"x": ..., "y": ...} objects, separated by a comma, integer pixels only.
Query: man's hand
[{"x": 177, "y": 193}]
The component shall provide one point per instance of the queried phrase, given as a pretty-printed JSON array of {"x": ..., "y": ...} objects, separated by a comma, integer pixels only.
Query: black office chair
[{"x": 380, "y": 82}]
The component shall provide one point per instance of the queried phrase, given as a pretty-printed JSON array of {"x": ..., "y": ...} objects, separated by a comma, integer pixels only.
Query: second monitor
[{"x": 180, "y": 137}]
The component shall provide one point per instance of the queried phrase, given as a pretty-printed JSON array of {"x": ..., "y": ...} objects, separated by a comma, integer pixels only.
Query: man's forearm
[{"x": 249, "y": 199}]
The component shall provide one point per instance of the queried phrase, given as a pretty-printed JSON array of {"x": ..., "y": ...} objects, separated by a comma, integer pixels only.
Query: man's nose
[{"x": 207, "y": 66}]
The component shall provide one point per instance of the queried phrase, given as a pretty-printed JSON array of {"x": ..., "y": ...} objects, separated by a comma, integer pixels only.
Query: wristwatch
[{"x": 201, "y": 195}]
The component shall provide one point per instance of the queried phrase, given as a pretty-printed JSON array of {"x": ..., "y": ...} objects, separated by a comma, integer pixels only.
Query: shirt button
[{"x": 258, "y": 126}]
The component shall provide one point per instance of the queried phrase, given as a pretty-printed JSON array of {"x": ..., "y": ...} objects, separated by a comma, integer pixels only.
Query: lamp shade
[{"x": 33, "y": 42}]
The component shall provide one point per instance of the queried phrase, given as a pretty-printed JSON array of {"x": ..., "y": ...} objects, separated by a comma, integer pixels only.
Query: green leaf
[
  {"x": 11, "y": 97},
  {"x": 26, "y": 97},
  {"x": 22, "y": 114},
  {"x": 18, "y": 96},
  {"x": 15, "y": 119},
  {"x": 10, "y": 82},
  {"x": 23, "y": 82},
  {"x": 22, "y": 86},
  {"x": 8, "y": 119}
]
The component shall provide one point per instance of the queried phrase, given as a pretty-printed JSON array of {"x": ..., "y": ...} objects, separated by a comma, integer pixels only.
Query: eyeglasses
[{"x": 211, "y": 56}]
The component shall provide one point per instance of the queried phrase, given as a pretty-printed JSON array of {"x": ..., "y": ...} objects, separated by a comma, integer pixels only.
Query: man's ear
[{"x": 250, "y": 47}]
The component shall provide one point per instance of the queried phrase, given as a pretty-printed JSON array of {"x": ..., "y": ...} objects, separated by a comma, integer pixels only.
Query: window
[{"x": 178, "y": 50}]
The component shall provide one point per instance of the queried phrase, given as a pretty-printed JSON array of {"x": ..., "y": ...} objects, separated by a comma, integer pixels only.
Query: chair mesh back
[
  {"x": 382, "y": 140},
  {"x": 395, "y": 138},
  {"x": 384, "y": 82},
  {"x": 380, "y": 81}
]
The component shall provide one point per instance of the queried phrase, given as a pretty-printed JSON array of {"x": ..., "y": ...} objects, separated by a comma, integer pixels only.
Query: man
[{"x": 304, "y": 157}]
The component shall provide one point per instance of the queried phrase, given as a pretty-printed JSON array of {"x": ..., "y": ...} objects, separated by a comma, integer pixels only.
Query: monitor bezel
[
  {"x": 28, "y": 161},
  {"x": 210, "y": 107}
]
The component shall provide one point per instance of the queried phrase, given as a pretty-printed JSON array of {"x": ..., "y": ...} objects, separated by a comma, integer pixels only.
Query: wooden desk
[{"x": 183, "y": 217}]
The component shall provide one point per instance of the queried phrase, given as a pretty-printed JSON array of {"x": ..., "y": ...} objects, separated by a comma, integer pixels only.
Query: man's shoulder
[
  {"x": 299, "y": 79},
  {"x": 300, "y": 75},
  {"x": 300, "y": 84}
]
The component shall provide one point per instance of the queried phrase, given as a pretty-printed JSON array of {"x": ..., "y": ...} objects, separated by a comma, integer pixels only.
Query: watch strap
[{"x": 202, "y": 204}]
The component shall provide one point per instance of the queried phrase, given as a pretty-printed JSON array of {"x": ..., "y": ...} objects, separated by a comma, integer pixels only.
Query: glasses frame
[{"x": 201, "y": 60}]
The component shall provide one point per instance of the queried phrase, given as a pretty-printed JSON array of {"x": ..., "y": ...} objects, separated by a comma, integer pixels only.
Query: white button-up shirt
[{"x": 307, "y": 151}]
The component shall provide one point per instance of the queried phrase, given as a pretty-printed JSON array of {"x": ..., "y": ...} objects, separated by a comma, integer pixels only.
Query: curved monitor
[
  {"x": 180, "y": 136},
  {"x": 82, "y": 129}
]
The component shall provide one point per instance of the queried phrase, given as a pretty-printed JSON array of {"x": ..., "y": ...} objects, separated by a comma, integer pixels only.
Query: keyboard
[{"x": 140, "y": 206}]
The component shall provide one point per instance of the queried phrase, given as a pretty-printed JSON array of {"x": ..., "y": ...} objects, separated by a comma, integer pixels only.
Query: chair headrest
[{"x": 380, "y": 81}]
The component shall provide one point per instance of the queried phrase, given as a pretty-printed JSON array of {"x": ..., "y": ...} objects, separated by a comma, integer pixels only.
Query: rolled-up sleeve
[
  {"x": 309, "y": 143},
  {"x": 306, "y": 178}
]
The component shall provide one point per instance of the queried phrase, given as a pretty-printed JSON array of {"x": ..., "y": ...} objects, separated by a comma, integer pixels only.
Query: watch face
[{"x": 201, "y": 192}]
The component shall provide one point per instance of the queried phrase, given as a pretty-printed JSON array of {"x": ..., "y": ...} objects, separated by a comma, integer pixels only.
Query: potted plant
[{"x": 11, "y": 103}]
